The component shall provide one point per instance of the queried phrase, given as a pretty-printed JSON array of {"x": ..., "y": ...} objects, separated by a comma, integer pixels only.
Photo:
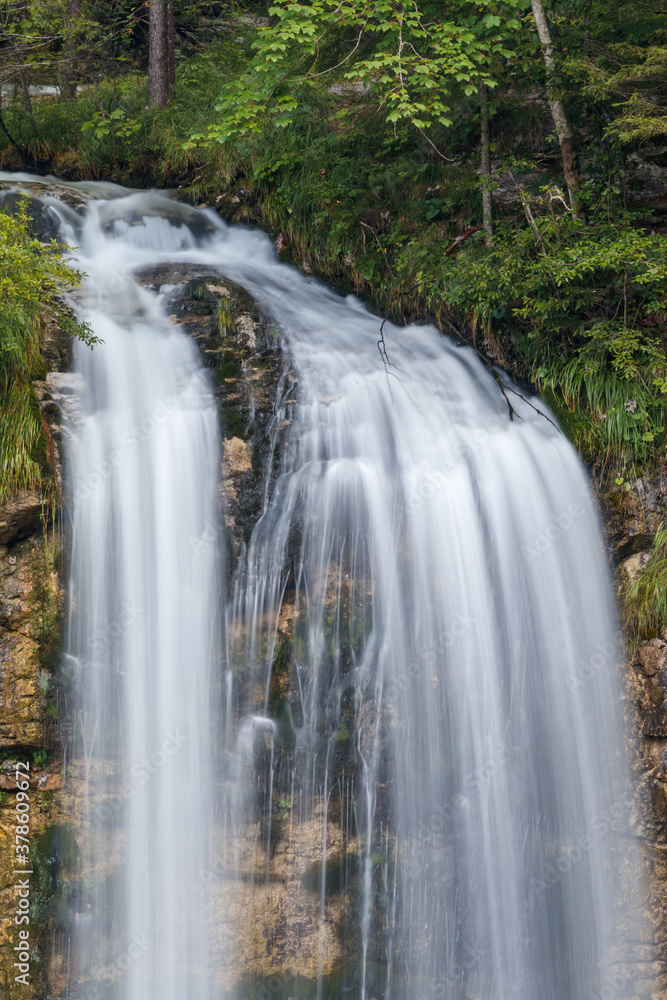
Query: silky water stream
[{"x": 413, "y": 795}]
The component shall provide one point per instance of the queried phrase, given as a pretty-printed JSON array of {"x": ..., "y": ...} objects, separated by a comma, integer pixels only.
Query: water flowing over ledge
[{"x": 379, "y": 754}]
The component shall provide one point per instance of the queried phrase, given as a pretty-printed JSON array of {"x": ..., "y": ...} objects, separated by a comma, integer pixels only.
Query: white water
[
  {"x": 453, "y": 589},
  {"x": 456, "y": 641},
  {"x": 143, "y": 480}
]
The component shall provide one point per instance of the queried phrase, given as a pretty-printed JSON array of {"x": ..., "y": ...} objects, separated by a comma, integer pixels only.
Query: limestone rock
[
  {"x": 59, "y": 398},
  {"x": 241, "y": 351},
  {"x": 22, "y": 723},
  {"x": 274, "y": 925},
  {"x": 20, "y": 516},
  {"x": 29, "y": 588}
]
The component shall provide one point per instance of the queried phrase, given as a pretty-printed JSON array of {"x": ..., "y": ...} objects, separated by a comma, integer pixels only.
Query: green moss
[
  {"x": 278, "y": 707},
  {"x": 340, "y": 982},
  {"x": 46, "y": 600},
  {"x": 229, "y": 369},
  {"x": 225, "y": 315},
  {"x": 336, "y": 875},
  {"x": 233, "y": 424},
  {"x": 54, "y": 858}
]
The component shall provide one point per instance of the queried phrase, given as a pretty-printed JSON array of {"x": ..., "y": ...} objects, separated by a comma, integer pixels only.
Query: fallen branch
[
  {"x": 386, "y": 259},
  {"x": 503, "y": 386},
  {"x": 460, "y": 239}
]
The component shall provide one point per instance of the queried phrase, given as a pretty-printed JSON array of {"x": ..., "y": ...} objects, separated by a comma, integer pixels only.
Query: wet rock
[
  {"x": 57, "y": 346},
  {"x": 74, "y": 196},
  {"x": 20, "y": 516},
  {"x": 649, "y": 688},
  {"x": 149, "y": 205},
  {"x": 59, "y": 396},
  {"x": 631, "y": 568},
  {"x": 43, "y": 222},
  {"x": 23, "y": 708},
  {"x": 632, "y": 544},
  {"x": 242, "y": 353},
  {"x": 652, "y": 657},
  {"x": 650, "y": 494},
  {"x": 156, "y": 277},
  {"x": 39, "y": 779},
  {"x": 30, "y": 602},
  {"x": 274, "y": 925}
]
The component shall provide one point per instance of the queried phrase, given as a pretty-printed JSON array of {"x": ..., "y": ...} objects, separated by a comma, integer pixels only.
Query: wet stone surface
[{"x": 241, "y": 352}]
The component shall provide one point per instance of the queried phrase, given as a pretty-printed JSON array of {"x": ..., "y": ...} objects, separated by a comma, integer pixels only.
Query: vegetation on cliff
[{"x": 32, "y": 279}]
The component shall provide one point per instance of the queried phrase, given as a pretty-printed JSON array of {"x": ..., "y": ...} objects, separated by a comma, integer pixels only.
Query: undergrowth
[
  {"x": 32, "y": 276},
  {"x": 646, "y": 597}
]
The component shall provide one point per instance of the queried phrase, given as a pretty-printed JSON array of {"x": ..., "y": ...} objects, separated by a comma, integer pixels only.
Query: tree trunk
[
  {"x": 161, "y": 55},
  {"x": 20, "y": 53},
  {"x": 568, "y": 147},
  {"x": 27, "y": 99},
  {"x": 72, "y": 44},
  {"x": 487, "y": 179}
]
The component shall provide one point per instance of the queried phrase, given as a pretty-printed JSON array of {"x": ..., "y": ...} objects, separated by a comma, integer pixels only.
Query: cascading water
[
  {"x": 143, "y": 637},
  {"x": 445, "y": 713},
  {"x": 454, "y": 618}
]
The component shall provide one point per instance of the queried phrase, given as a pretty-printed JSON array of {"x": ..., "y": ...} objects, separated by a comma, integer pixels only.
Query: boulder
[{"x": 43, "y": 222}]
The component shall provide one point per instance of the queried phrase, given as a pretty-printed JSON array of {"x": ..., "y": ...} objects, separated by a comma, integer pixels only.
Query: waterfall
[
  {"x": 455, "y": 618},
  {"x": 143, "y": 640},
  {"x": 443, "y": 723}
]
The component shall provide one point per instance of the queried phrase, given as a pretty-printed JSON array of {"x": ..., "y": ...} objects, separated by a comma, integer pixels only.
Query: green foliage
[
  {"x": 116, "y": 121},
  {"x": 413, "y": 58},
  {"x": 32, "y": 277},
  {"x": 580, "y": 310},
  {"x": 646, "y": 599},
  {"x": 628, "y": 75},
  {"x": 20, "y": 436}
]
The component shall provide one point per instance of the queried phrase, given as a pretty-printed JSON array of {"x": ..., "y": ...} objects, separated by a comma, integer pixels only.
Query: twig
[
  {"x": 503, "y": 386},
  {"x": 532, "y": 406},
  {"x": 312, "y": 76},
  {"x": 13, "y": 141},
  {"x": 386, "y": 259},
  {"x": 382, "y": 346},
  {"x": 449, "y": 159},
  {"x": 530, "y": 218},
  {"x": 460, "y": 239}
]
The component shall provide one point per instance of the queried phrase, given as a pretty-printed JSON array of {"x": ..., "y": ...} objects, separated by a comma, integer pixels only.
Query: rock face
[
  {"x": 242, "y": 353},
  {"x": 42, "y": 224},
  {"x": 30, "y": 617},
  {"x": 21, "y": 620},
  {"x": 646, "y": 678},
  {"x": 274, "y": 927},
  {"x": 20, "y": 515},
  {"x": 31, "y": 689}
]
